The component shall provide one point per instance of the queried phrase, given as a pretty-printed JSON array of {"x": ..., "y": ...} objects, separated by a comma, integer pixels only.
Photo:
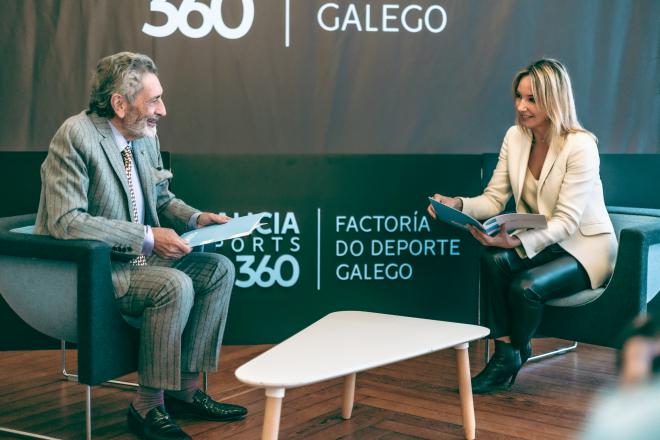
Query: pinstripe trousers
[{"x": 183, "y": 304}]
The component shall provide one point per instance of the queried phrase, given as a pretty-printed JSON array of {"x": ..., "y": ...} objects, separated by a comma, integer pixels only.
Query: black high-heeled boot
[
  {"x": 525, "y": 353},
  {"x": 502, "y": 368}
]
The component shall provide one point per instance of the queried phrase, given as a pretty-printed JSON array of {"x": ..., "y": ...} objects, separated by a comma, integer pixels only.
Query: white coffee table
[{"x": 344, "y": 343}]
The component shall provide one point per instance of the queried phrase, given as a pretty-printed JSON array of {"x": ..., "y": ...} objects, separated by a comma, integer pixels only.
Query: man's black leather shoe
[
  {"x": 157, "y": 425},
  {"x": 203, "y": 407}
]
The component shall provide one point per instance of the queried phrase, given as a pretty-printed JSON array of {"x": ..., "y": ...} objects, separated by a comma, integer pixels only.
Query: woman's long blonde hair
[{"x": 552, "y": 90}]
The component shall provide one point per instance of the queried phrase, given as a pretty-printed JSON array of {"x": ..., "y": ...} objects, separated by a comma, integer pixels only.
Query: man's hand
[
  {"x": 168, "y": 244},
  {"x": 452, "y": 202},
  {"x": 501, "y": 240},
  {"x": 209, "y": 218}
]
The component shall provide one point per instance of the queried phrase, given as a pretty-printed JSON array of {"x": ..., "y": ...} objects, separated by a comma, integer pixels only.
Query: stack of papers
[{"x": 234, "y": 228}]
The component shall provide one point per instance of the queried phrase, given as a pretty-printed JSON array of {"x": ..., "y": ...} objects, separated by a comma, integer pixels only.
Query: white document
[
  {"x": 515, "y": 221},
  {"x": 234, "y": 228}
]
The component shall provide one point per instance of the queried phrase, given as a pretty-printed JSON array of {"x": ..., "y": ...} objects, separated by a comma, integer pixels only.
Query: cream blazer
[{"x": 570, "y": 196}]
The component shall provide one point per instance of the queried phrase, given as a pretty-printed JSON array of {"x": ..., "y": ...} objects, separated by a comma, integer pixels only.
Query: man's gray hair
[{"x": 119, "y": 73}]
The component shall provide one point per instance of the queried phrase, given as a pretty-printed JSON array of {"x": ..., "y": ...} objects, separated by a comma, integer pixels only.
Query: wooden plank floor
[{"x": 414, "y": 399}]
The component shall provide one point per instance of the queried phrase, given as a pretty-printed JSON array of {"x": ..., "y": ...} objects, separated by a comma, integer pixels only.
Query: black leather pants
[{"x": 514, "y": 289}]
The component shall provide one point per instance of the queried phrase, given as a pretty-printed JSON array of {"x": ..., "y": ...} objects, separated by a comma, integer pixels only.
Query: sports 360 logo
[{"x": 177, "y": 19}]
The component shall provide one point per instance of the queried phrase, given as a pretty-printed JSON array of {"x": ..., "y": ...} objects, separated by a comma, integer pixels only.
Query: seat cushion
[{"x": 577, "y": 299}]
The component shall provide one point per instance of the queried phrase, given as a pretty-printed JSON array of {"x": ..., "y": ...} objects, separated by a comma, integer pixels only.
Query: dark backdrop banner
[
  {"x": 342, "y": 232},
  {"x": 317, "y": 76},
  {"x": 345, "y": 232}
]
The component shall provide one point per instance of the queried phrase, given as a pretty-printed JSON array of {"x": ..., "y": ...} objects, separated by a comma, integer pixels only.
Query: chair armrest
[
  {"x": 602, "y": 321},
  {"x": 44, "y": 246},
  {"x": 649, "y": 212},
  {"x": 631, "y": 269},
  {"x": 107, "y": 345}
]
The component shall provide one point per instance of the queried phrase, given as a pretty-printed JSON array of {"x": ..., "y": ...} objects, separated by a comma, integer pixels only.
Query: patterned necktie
[{"x": 127, "y": 156}]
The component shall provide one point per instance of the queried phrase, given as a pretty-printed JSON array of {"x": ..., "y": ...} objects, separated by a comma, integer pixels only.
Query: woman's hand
[
  {"x": 452, "y": 202},
  {"x": 501, "y": 240}
]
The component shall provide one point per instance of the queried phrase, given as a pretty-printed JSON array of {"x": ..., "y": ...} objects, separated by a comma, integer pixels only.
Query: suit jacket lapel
[
  {"x": 526, "y": 147},
  {"x": 111, "y": 151},
  {"x": 147, "y": 182},
  {"x": 548, "y": 163}
]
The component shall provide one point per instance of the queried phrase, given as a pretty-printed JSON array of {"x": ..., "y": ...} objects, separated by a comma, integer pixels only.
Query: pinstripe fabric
[
  {"x": 184, "y": 305},
  {"x": 85, "y": 195}
]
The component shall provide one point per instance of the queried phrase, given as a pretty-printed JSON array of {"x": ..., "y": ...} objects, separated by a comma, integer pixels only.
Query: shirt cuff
[
  {"x": 192, "y": 223},
  {"x": 148, "y": 245},
  {"x": 523, "y": 250},
  {"x": 462, "y": 199}
]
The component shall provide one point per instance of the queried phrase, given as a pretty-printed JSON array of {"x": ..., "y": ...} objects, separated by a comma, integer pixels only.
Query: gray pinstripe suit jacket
[{"x": 85, "y": 195}]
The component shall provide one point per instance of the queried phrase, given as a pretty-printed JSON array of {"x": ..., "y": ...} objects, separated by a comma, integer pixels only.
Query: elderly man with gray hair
[{"x": 103, "y": 179}]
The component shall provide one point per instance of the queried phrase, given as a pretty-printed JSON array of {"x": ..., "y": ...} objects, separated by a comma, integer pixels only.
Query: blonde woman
[{"x": 550, "y": 165}]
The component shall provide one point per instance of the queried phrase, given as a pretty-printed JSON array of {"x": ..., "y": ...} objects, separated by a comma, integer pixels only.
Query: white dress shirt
[{"x": 122, "y": 143}]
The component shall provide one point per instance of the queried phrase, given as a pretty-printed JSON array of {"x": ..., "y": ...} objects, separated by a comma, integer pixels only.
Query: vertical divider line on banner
[
  {"x": 318, "y": 248},
  {"x": 287, "y": 22}
]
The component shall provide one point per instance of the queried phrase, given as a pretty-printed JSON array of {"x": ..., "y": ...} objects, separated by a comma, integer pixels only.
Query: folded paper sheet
[{"x": 234, "y": 228}]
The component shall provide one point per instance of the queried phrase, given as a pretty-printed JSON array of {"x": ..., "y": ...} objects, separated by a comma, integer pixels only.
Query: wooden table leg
[
  {"x": 465, "y": 390},
  {"x": 349, "y": 396},
  {"x": 272, "y": 414}
]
